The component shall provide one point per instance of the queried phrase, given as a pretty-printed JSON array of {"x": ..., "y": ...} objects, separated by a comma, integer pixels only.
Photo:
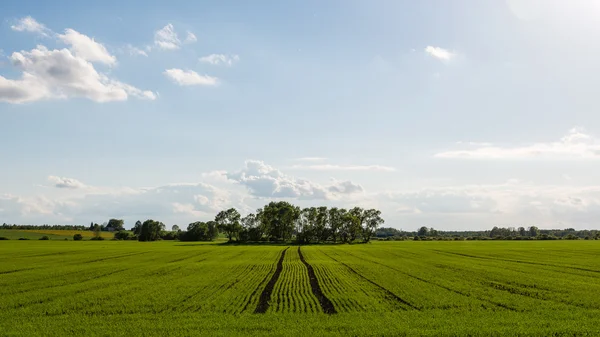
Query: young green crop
[{"x": 382, "y": 288}]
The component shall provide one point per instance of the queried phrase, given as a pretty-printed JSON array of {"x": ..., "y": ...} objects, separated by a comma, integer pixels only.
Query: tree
[
  {"x": 97, "y": 234},
  {"x": 251, "y": 226},
  {"x": 351, "y": 226},
  {"x": 175, "y": 228},
  {"x": 321, "y": 229},
  {"x": 522, "y": 231},
  {"x": 533, "y": 231},
  {"x": 137, "y": 229},
  {"x": 77, "y": 237},
  {"x": 335, "y": 221},
  {"x": 305, "y": 225},
  {"x": 279, "y": 219},
  {"x": 115, "y": 224},
  {"x": 150, "y": 230},
  {"x": 423, "y": 231},
  {"x": 200, "y": 231},
  {"x": 372, "y": 220},
  {"x": 229, "y": 222}
]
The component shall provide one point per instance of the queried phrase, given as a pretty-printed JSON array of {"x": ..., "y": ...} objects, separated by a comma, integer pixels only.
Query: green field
[
  {"x": 384, "y": 288},
  {"x": 35, "y": 234}
]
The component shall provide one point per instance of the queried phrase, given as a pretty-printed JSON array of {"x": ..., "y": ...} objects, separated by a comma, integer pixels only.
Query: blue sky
[{"x": 451, "y": 114}]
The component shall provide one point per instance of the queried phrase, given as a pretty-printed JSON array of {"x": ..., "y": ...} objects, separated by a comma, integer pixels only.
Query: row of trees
[
  {"x": 497, "y": 233},
  {"x": 282, "y": 221},
  {"x": 277, "y": 221},
  {"x": 43, "y": 227}
]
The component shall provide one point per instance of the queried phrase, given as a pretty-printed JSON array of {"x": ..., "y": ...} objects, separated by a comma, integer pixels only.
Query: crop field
[
  {"x": 34, "y": 234},
  {"x": 383, "y": 288}
]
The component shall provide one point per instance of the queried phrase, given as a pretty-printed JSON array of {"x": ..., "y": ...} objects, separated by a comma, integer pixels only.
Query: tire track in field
[
  {"x": 326, "y": 304},
  {"x": 504, "y": 306},
  {"x": 518, "y": 261},
  {"x": 110, "y": 258},
  {"x": 388, "y": 293},
  {"x": 265, "y": 296},
  {"x": 14, "y": 271}
]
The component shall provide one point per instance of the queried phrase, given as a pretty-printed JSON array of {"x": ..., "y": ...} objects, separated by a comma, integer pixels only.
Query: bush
[
  {"x": 122, "y": 235},
  {"x": 23, "y": 238},
  {"x": 97, "y": 238},
  {"x": 77, "y": 237},
  {"x": 3, "y": 238},
  {"x": 45, "y": 237}
]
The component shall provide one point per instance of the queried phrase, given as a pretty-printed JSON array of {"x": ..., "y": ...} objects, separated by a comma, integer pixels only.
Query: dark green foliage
[
  {"x": 23, "y": 239},
  {"x": 169, "y": 235},
  {"x": 42, "y": 227},
  {"x": 228, "y": 222},
  {"x": 97, "y": 238},
  {"x": 151, "y": 230},
  {"x": 45, "y": 237},
  {"x": 77, "y": 237},
  {"x": 123, "y": 235},
  {"x": 115, "y": 225},
  {"x": 200, "y": 231},
  {"x": 3, "y": 238}
]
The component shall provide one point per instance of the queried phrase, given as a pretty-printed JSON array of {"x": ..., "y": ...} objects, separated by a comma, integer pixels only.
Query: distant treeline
[
  {"x": 496, "y": 233},
  {"x": 275, "y": 222},
  {"x": 47, "y": 227}
]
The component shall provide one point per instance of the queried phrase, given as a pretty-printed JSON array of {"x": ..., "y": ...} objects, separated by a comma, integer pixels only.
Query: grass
[{"x": 384, "y": 288}]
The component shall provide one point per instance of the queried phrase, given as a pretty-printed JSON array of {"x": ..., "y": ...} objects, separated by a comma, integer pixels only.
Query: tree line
[
  {"x": 496, "y": 233},
  {"x": 275, "y": 222}
]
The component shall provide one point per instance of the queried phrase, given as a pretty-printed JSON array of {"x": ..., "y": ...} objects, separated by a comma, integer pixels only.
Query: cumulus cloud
[
  {"x": 345, "y": 187},
  {"x": 439, "y": 53},
  {"x": 64, "y": 73},
  {"x": 263, "y": 180},
  {"x": 190, "y": 77},
  {"x": 575, "y": 144},
  {"x": 220, "y": 59},
  {"x": 133, "y": 51},
  {"x": 166, "y": 38},
  {"x": 87, "y": 48},
  {"x": 60, "y": 74},
  {"x": 190, "y": 38},
  {"x": 29, "y": 24},
  {"x": 512, "y": 203},
  {"x": 62, "y": 182}
]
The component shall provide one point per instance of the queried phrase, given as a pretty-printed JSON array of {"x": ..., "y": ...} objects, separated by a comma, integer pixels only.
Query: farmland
[{"x": 382, "y": 288}]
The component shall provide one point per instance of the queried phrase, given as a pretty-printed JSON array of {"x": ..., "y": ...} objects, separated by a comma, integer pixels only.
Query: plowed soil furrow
[
  {"x": 265, "y": 296},
  {"x": 326, "y": 304}
]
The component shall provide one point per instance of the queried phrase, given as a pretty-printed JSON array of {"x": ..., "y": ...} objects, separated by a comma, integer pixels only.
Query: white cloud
[
  {"x": 134, "y": 51},
  {"x": 62, "y": 182},
  {"x": 87, "y": 48},
  {"x": 29, "y": 24},
  {"x": 220, "y": 59},
  {"x": 513, "y": 203},
  {"x": 189, "y": 77},
  {"x": 345, "y": 187},
  {"x": 190, "y": 38},
  {"x": 166, "y": 38},
  {"x": 575, "y": 144},
  {"x": 263, "y": 180},
  {"x": 332, "y": 167},
  {"x": 49, "y": 74},
  {"x": 439, "y": 53}
]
